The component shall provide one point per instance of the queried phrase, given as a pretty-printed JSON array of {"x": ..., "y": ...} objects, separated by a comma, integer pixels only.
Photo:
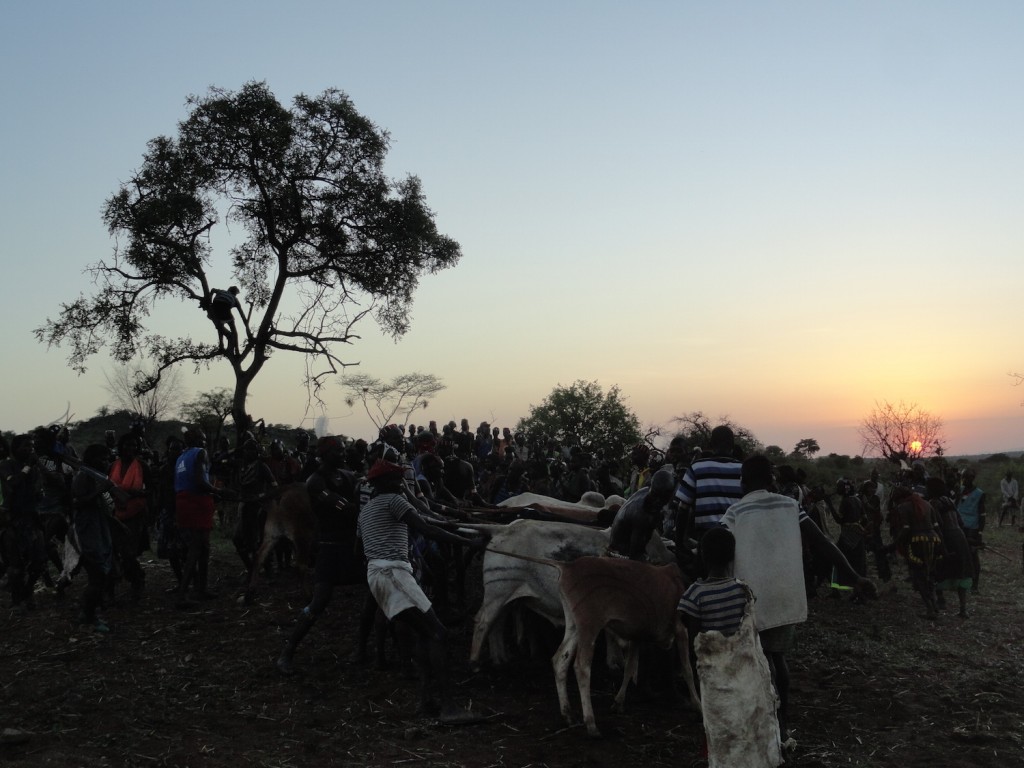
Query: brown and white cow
[
  {"x": 513, "y": 580},
  {"x": 634, "y": 601}
]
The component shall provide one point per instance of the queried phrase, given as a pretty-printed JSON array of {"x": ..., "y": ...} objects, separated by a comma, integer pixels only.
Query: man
[
  {"x": 770, "y": 530},
  {"x": 710, "y": 485},
  {"x": 971, "y": 508},
  {"x": 93, "y": 507},
  {"x": 22, "y": 539},
  {"x": 219, "y": 307},
  {"x": 195, "y": 505},
  {"x": 1011, "y": 493},
  {"x": 255, "y": 481},
  {"x": 384, "y": 524},
  {"x": 640, "y": 516},
  {"x": 334, "y": 496}
]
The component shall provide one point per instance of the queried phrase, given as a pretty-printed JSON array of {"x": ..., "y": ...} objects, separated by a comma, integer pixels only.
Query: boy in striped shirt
[{"x": 718, "y": 601}]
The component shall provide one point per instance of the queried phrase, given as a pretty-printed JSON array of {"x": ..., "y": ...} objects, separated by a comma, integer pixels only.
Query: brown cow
[
  {"x": 634, "y": 601},
  {"x": 289, "y": 516}
]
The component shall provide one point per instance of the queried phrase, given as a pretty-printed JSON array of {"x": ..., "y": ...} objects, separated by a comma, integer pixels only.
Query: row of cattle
[{"x": 556, "y": 568}]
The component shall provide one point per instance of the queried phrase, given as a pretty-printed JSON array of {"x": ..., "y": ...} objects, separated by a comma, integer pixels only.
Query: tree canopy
[
  {"x": 584, "y": 415},
  {"x": 383, "y": 401},
  {"x": 326, "y": 238},
  {"x": 695, "y": 430},
  {"x": 901, "y": 431},
  {"x": 806, "y": 447}
]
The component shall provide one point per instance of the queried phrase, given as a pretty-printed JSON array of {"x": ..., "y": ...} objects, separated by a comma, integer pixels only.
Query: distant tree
[
  {"x": 901, "y": 432},
  {"x": 136, "y": 389},
  {"x": 209, "y": 411},
  {"x": 584, "y": 415},
  {"x": 806, "y": 447},
  {"x": 774, "y": 452},
  {"x": 388, "y": 401},
  {"x": 695, "y": 428},
  {"x": 996, "y": 458},
  {"x": 326, "y": 238}
]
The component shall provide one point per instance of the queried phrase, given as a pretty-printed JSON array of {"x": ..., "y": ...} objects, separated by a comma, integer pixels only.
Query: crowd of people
[{"x": 386, "y": 509}]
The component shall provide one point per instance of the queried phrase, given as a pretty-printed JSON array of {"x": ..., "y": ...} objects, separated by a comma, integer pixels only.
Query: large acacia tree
[
  {"x": 584, "y": 415},
  {"x": 325, "y": 238},
  {"x": 400, "y": 397},
  {"x": 902, "y": 431}
]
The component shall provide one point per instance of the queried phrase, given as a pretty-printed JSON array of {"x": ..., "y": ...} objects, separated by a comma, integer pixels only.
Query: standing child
[
  {"x": 718, "y": 601},
  {"x": 737, "y": 698}
]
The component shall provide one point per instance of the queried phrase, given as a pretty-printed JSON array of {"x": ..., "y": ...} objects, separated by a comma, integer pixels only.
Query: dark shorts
[{"x": 778, "y": 639}]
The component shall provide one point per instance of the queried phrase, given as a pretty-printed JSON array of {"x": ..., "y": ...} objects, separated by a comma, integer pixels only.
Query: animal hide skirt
[{"x": 738, "y": 699}]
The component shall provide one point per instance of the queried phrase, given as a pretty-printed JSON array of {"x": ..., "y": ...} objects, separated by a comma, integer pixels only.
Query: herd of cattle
[{"x": 556, "y": 568}]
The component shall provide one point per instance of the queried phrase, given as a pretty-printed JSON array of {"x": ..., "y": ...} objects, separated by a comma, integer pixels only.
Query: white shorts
[{"x": 394, "y": 588}]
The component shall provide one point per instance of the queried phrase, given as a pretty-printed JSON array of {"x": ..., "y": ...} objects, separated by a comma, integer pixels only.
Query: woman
[
  {"x": 955, "y": 571},
  {"x": 129, "y": 474},
  {"x": 919, "y": 540}
]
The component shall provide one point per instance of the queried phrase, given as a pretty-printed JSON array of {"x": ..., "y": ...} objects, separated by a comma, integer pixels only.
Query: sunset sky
[{"x": 779, "y": 212}]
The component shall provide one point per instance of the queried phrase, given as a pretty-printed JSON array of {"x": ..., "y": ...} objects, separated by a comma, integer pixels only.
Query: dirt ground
[{"x": 874, "y": 685}]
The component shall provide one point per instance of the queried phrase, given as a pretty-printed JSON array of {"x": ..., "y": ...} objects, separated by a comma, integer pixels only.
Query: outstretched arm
[{"x": 823, "y": 547}]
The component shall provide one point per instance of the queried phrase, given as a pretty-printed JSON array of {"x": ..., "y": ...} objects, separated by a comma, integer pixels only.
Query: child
[
  {"x": 737, "y": 697},
  {"x": 717, "y": 602}
]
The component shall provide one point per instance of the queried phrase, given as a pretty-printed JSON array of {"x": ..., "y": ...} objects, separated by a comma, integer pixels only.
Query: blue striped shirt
[
  {"x": 718, "y": 604},
  {"x": 710, "y": 486}
]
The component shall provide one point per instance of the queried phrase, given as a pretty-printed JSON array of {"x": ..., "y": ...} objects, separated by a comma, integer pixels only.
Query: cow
[
  {"x": 634, "y": 601},
  {"x": 289, "y": 515},
  {"x": 532, "y": 585},
  {"x": 592, "y": 508}
]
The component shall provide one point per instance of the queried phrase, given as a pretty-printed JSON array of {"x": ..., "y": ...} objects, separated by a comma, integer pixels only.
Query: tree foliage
[
  {"x": 901, "y": 431},
  {"x": 806, "y": 447},
  {"x": 209, "y": 411},
  {"x": 695, "y": 429},
  {"x": 584, "y": 415},
  {"x": 386, "y": 401},
  {"x": 325, "y": 238}
]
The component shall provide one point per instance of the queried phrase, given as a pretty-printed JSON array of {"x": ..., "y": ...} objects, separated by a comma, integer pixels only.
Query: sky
[{"x": 780, "y": 213}]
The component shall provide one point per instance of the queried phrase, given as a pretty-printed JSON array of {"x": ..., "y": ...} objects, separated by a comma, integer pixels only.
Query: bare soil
[{"x": 874, "y": 685}]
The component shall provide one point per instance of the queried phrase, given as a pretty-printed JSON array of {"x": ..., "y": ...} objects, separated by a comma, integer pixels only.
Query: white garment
[
  {"x": 394, "y": 588},
  {"x": 738, "y": 700},
  {"x": 769, "y": 556},
  {"x": 1009, "y": 488}
]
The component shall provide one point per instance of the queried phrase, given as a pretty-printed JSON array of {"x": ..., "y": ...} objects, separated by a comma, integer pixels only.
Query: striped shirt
[
  {"x": 383, "y": 528},
  {"x": 719, "y": 603},
  {"x": 710, "y": 486}
]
